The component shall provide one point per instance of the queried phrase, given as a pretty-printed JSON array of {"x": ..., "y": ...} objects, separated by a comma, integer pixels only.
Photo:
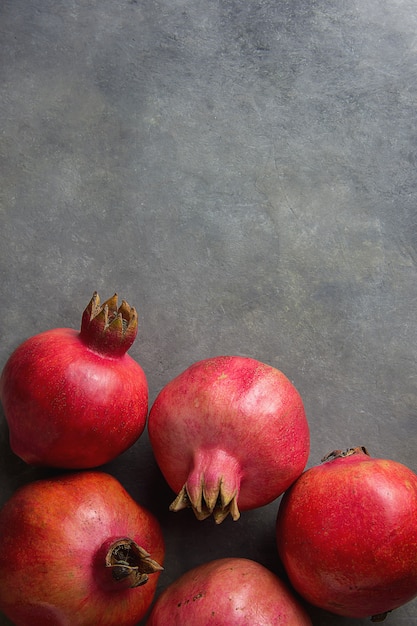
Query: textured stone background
[{"x": 244, "y": 173}]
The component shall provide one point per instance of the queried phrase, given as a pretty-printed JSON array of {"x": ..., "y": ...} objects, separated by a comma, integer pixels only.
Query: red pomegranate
[
  {"x": 76, "y": 399},
  {"x": 347, "y": 534},
  {"x": 77, "y": 550},
  {"x": 229, "y": 591},
  {"x": 229, "y": 433}
]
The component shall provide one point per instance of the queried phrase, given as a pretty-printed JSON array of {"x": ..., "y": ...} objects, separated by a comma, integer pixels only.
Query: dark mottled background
[{"x": 244, "y": 173}]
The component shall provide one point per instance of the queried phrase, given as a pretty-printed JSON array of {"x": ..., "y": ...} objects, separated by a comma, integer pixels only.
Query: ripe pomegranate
[
  {"x": 77, "y": 550},
  {"x": 228, "y": 432},
  {"x": 76, "y": 399},
  {"x": 228, "y": 591},
  {"x": 347, "y": 534}
]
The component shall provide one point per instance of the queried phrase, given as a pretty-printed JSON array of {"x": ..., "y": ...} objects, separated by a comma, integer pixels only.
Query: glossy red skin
[
  {"x": 347, "y": 535},
  {"x": 52, "y": 569},
  {"x": 234, "y": 415},
  {"x": 69, "y": 406},
  {"x": 230, "y": 591}
]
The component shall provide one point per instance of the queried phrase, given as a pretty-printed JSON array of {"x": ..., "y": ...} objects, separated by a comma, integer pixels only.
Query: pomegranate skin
[
  {"x": 76, "y": 400},
  {"x": 55, "y": 533},
  {"x": 232, "y": 591},
  {"x": 229, "y": 433},
  {"x": 347, "y": 534}
]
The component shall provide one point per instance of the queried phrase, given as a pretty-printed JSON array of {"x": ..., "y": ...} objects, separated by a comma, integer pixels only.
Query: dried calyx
[
  {"x": 219, "y": 504},
  {"x": 130, "y": 563},
  {"x": 108, "y": 328},
  {"x": 212, "y": 486},
  {"x": 338, "y": 454}
]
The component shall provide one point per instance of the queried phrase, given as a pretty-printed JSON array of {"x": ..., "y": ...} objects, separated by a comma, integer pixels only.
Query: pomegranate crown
[{"x": 107, "y": 328}]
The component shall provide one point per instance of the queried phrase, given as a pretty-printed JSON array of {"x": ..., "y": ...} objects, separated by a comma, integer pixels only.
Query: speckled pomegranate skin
[
  {"x": 52, "y": 566},
  {"x": 76, "y": 399},
  {"x": 230, "y": 427},
  {"x": 347, "y": 535},
  {"x": 229, "y": 591}
]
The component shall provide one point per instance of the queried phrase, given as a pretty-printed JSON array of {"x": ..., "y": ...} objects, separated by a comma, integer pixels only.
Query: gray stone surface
[{"x": 244, "y": 173}]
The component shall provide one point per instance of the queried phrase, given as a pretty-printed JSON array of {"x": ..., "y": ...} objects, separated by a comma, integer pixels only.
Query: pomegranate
[
  {"x": 228, "y": 591},
  {"x": 227, "y": 433},
  {"x": 75, "y": 399},
  {"x": 347, "y": 534},
  {"x": 77, "y": 550}
]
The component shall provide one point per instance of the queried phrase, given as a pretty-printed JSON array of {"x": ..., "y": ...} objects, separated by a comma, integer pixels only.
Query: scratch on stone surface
[
  {"x": 409, "y": 251},
  {"x": 272, "y": 171}
]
